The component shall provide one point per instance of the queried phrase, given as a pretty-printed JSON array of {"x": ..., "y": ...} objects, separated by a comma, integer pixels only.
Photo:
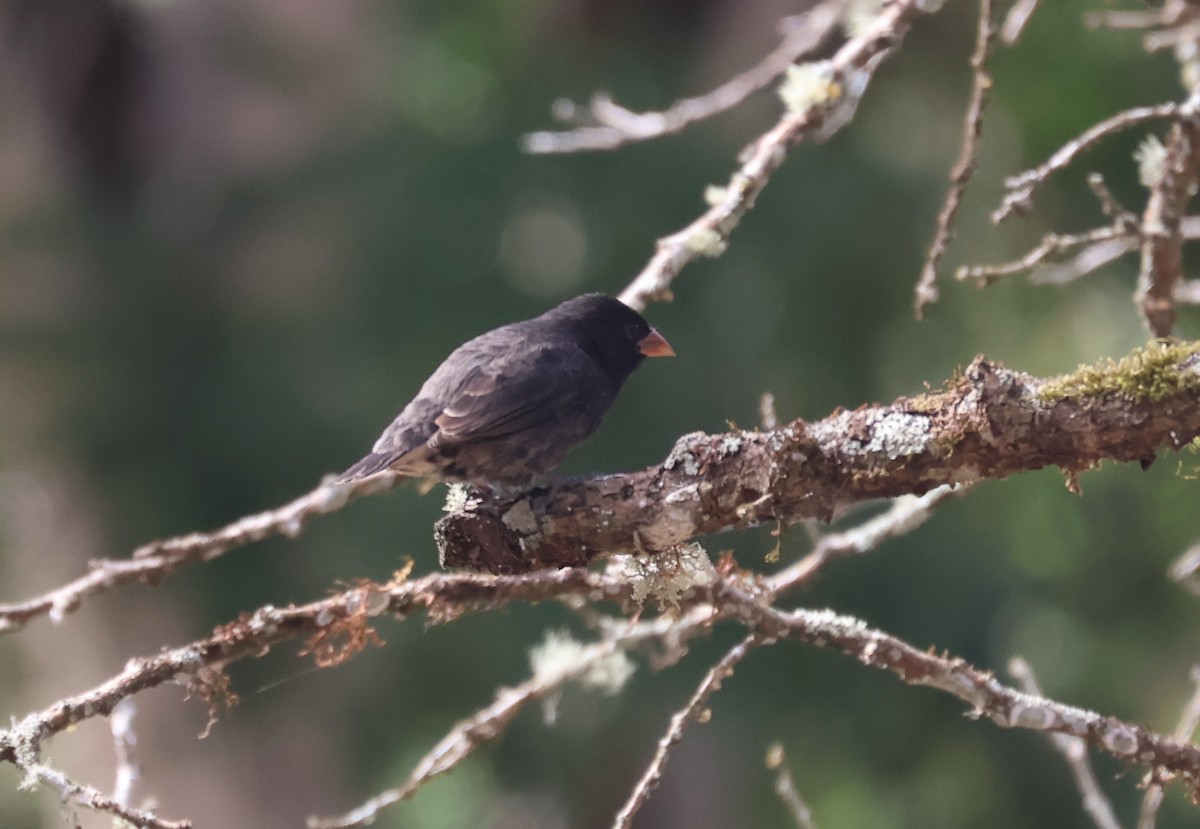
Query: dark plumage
[{"x": 506, "y": 406}]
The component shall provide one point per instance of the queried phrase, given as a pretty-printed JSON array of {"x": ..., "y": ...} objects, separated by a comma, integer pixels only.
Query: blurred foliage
[{"x": 234, "y": 238}]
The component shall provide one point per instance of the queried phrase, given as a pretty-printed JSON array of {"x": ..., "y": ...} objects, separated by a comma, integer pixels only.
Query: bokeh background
[{"x": 235, "y": 235}]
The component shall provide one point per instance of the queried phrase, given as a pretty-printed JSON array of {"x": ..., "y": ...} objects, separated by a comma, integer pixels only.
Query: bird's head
[{"x": 611, "y": 331}]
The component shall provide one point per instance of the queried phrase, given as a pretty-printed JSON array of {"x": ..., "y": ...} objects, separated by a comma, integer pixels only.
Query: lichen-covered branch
[
  {"x": 335, "y": 621},
  {"x": 341, "y": 625},
  {"x": 1166, "y": 757},
  {"x": 834, "y": 89},
  {"x": 989, "y": 422}
]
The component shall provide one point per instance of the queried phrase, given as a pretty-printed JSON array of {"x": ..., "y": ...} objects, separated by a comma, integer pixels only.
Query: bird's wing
[{"x": 505, "y": 397}]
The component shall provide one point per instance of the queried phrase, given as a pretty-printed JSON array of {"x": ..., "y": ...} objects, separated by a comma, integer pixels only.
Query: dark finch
[{"x": 508, "y": 405}]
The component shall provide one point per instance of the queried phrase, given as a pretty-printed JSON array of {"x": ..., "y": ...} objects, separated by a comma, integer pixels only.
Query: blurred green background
[{"x": 234, "y": 238}]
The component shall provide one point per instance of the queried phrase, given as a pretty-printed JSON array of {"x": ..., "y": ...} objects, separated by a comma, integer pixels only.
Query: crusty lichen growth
[
  {"x": 664, "y": 577},
  {"x": 1150, "y": 373}
]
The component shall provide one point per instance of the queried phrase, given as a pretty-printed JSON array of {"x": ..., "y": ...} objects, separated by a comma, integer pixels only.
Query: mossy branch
[{"x": 988, "y": 422}]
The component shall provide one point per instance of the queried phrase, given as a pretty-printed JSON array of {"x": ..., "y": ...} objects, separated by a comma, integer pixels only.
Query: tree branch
[
  {"x": 1162, "y": 239},
  {"x": 960, "y": 175},
  {"x": 1189, "y": 719},
  {"x": 340, "y": 626},
  {"x": 785, "y": 788},
  {"x": 989, "y": 423},
  {"x": 1074, "y": 750},
  {"x": 842, "y": 82},
  {"x": 155, "y": 561},
  {"x": 716, "y": 675},
  {"x": 1021, "y": 187},
  {"x": 615, "y": 126}
]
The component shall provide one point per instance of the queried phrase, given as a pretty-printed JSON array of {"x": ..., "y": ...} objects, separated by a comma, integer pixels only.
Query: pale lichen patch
[
  {"x": 706, "y": 242},
  {"x": 682, "y": 456},
  {"x": 665, "y": 576},
  {"x": 457, "y": 496},
  {"x": 560, "y": 658},
  {"x": 828, "y": 433},
  {"x": 520, "y": 518},
  {"x": 899, "y": 434},
  {"x": 730, "y": 445}
]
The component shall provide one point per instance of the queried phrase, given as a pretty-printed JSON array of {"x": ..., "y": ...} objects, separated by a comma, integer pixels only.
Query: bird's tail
[{"x": 372, "y": 463}]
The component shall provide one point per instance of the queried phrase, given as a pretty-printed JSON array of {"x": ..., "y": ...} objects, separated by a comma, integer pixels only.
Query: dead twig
[
  {"x": 1021, "y": 187},
  {"x": 614, "y": 125},
  {"x": 693, "y": 710},
  {"x": 1189, "y": 719},
  {"x": 1103, "y": 245},
  {"x": 960, "y": 175},
  {"x": 1162, "y": 238},
  {"x": 785, "y": 788},
  {"x": 837, "y": 86},
  {"x": 124, "y": 746},
  {"x": 1074, "y": 750},
  {"x": 155, "y": 561},
  {"x": 484, "y": 726},
  {"x": 1016, "y": 20}
]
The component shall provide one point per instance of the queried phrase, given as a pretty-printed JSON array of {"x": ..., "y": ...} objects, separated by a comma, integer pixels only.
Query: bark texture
[{"x": 989, "y": 422}]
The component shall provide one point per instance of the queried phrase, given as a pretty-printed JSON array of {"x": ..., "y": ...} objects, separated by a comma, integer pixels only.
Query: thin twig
[
  {"x": 1110, "y": 204},
  {"x": 124, "y": 746},
  {"x": 1016, "y": 20},
  {"x": 904, "y": 515},
  {"x": 1172, "y": 14},
  {"x": 768, "y": 418},
  {"x": 90, "y": 798},
  {"x": 1188, "y": 720},
  {"x": 1177, "y": 35},
  {"x": 1162, "y": 239},
  {"x": 1185, "y": 570},
  {"x": 1005, "y": 706},
  {"x": 1097, "y": 248},
  {"x": 960, "y": 175},
  {"x": 1053, "y": 244},
  {"x": 615, "y": 126},
  {"x": 1125, "y": 19},
  {"x": 155, "y": 561},
  {"x": 785, "y": 788},
  {"x": 847, "y": 76},
  {"x": 679, "y": 721},
  {"x": 1074, "y": 749},
  {"x": 1021, "y": 187},
  {"x": 482, "y": 727},
  {"x": 1100, "y": 246}
]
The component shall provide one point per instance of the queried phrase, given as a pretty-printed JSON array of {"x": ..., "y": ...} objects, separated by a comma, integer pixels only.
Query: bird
[{"x": 505, "y": 407}]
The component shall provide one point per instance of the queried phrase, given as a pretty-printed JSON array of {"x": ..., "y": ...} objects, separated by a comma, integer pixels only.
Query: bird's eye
[{"x": 633, "y": 331}]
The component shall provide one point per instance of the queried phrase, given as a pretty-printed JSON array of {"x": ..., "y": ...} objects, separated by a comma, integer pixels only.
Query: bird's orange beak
[{"x": 655, "y": 344}]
